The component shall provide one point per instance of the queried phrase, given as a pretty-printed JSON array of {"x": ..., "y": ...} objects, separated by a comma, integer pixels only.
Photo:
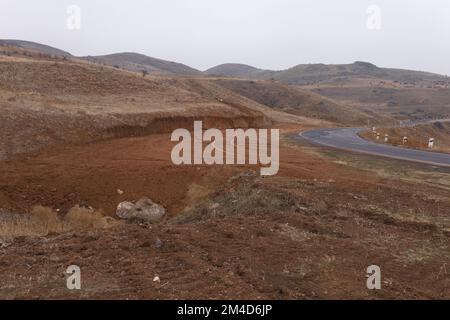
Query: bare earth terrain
[{"x": 75, "y": 133}]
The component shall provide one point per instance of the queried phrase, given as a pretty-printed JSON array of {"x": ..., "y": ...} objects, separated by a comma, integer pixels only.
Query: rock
[
  {"x": 124, "y": 208},
  {"x": 159, "y": 243},
  {"x": 4, "y": 243},
  {"x": 144, "y": 210},
  {"x": 156, "y": 279},
  {"x": 54, "y": 258},
  {"x": 119, "y": 192},
  {"x": 214, "y": 206}
]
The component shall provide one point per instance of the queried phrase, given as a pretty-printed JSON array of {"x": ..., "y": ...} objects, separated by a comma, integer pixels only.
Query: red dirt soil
[{"x": 338, "y": 220}]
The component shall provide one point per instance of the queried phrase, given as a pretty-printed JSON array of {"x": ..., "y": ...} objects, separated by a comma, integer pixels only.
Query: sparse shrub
[
  {"x": 83, "y": 218},
  {"x": 243, "y": 197},
  {"x": 43, "y": 221},
  {"x": 438, "y": 125},
  {"x": 47, "y": 219}
]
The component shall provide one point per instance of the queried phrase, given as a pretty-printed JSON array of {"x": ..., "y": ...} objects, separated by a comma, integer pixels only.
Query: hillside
[
  {"x": 128, "y": 61},
  {"x": 417, "y": 135},
  {"x": 139, "y": 62},
  {"x": 34, "y": 47},
  {"x": 237, "y": 70},
  {"x": 79, "y": 140},
  {"x": 322, "y": 73},
  {"x": 46, "y": 102},
  {"x": 293, "y": 100},
  {"x": 314, "y": 73},
  {"x": 391, "y": 99}
]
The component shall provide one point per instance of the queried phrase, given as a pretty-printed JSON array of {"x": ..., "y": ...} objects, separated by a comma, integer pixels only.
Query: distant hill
[
  {"x": 303, "y": 74},
  {"x": 237, "y": 70},
  {"x": 139, "y": 62},
  {"x": 35, "y": 47},
  {"x": 312, "y": 73},
  {"x": 127, "y": 60},
  {"x": 315, "y": 73}
]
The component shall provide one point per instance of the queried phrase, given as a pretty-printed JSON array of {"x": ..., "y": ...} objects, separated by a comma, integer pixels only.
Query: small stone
[
  {"x": 214, "y": 206},
  {"x": 156, "y": 279},
  {"x": 119, "y": 192},
  {"x": 159, "y": 243}
]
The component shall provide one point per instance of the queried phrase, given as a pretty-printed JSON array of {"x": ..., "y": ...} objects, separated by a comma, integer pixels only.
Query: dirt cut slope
[{"x": 417, "y": 136}]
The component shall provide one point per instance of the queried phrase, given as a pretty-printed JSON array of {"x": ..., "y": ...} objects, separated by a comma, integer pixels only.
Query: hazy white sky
[{"x": 272, "y": 34}]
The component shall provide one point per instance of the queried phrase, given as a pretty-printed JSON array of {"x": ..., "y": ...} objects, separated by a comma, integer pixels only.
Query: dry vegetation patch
[
  {"x": 42, "y": 221},
  {"x": 417, "y": 135}
]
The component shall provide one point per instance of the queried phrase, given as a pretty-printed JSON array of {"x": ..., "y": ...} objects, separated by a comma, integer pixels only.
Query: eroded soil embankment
[
  {"x": 168, "y": 124},
  {"x": 90, "y": 174},
  {"x": 417, "y": 136},
  {"x": 25, "y": 131}
]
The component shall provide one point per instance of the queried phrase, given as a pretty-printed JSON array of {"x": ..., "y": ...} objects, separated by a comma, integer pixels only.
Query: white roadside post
[
  {"x": 386, "y": 138},
  {"x": 405, "y": 140},
  {"x": 431, "y": 143},
  {"x": 378, "y": 136}
]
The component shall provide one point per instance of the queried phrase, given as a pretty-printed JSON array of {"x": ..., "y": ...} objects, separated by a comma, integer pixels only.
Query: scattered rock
[
  {"x": 54, "y": 258},
  {"x": 144, "y": 210},
  {"x": 159, "y": 243},
  {"x": 124, "y": 208},
  {"x": 214, "y": 206},
  {"x": 156, "y": 279},
  {"x": 4, "y": 243},
  {"x": 119, "y": 192}
]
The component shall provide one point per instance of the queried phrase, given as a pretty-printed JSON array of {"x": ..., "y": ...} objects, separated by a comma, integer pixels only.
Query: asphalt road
[{"x": 348, "y": 139}]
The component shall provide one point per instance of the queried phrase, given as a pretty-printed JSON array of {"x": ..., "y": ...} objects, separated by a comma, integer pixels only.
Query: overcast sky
[{"x": 272, "y": 34}]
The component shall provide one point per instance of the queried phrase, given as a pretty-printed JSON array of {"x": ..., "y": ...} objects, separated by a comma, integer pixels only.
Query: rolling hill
[
  {"x": 343, "y": 94},
  {"x": 303, "y": 74},
  {"x": 128, "y": 60},
  {"x": 296, "y": 101},
  {"x": 138, "y": 62},
  {"x": 237, "y": 70},
  {"x": 34, "y": 47}
]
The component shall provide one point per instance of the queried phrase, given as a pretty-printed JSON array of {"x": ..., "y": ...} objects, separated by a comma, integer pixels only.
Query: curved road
[{"x": 348, "y": 139}]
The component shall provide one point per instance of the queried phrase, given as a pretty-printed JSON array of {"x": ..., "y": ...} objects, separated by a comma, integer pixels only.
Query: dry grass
[
  {"x": 42, "y": 221},
  {"x": 418, "y": 136},
  {"x": 46, "y": 220},
  {"x": 242, "y": 195}
]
